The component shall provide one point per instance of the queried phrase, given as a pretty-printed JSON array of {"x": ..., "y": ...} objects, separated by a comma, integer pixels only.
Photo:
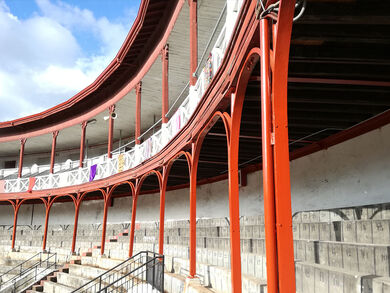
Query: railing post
[
  {"x": 53, "y": 151},
  {"x": 138, "y": 91},
  {"x": 21, "y": 155},
  {"x": 111, "y": 111},
  {"x": 82, "y": 143},
  {"x": 165, "y": 93},
  {"x": 193, "y": 40}
]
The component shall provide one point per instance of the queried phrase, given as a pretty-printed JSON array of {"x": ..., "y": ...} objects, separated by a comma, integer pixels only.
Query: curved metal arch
[
  {"x": 170, "y": 163},
  {"x": 143, "y": 177},
  {"x": 80, "y": 199},
  {"x": 45, "y": 201},
  {"x": 242, "y": 82},
  {"x": 199, "y": 141},
  {"x": 131, "y": 185},
  {"x": 63, "y": 195}
]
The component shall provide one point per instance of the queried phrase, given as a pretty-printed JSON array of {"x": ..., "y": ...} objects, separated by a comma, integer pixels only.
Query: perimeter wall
[{"x": 356, "y": 172}]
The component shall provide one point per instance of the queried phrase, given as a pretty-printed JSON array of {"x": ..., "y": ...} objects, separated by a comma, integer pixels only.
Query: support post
[
  {"x": 53, "y": 151},
  {"x": 138, "y": 90},
  {"x": 48, "y": 207},
  {"x": 133, "y": 217},
  {"x": 162, "y": 211},
  {"x": 165, "y": 93},
  {"x": 102, "y": 245},
  {"x": 193, "y": 180},
  {"x": 193, "y": 40},
  {"x": 281, "y": 50},
  {"x": 234, "y": 213},
  {"x": 21, "y": 155},
  {"x": 76, "y": 221},
  {"x": 111, "y": 111},
  {"x": 82, "y": 143},
  {"x": 268, "y": 179},
  {"x": 16, "y": 211}
]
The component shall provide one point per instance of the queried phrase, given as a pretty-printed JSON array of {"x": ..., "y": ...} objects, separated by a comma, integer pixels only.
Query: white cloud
[{"x": 42, "y": 63}]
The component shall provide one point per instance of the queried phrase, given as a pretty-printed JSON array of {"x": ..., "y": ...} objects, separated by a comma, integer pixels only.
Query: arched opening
[
  {"x": 60, "y": 223},
  {"x": 90, "y": 218},
  {"x": 119, "y": 203},
  {"x": 30, "y": 224},
  {"x": 145, "y": 213}
]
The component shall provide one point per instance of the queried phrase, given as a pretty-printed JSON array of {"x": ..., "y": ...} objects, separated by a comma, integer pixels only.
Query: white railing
[{"x": 122, "y": 160}]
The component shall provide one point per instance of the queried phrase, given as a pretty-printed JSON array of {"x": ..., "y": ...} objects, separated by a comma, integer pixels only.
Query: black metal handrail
[
  {"x": 144, "y": 274},
  {"x": 16, "y": 268},
  {"x": 119, "y": 272},
  {"x": 46, "y": 263}
]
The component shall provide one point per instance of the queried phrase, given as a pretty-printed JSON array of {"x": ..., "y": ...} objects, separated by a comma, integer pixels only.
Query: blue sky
[{"x": 51, "y": 49}]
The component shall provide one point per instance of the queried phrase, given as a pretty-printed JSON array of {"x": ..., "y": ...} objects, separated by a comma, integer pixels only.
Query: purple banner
[{"x": 92, "y": 172}]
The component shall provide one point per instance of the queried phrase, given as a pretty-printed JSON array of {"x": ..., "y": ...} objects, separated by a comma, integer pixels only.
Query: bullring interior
[{"x": 338, "y": 114}]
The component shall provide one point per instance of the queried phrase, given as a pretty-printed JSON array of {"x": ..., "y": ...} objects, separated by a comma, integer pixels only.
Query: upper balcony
[{"x": 119, "y": 113}]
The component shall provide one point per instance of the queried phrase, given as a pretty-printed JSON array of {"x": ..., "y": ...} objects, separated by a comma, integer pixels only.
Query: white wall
[{"x": 356, "y": 172}]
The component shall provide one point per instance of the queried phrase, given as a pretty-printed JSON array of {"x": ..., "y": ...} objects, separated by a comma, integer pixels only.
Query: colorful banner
[
  {"x": 92, "y": 172},
  {"x": 31, "y": 183},
  {"x": 121, "y": 162}
]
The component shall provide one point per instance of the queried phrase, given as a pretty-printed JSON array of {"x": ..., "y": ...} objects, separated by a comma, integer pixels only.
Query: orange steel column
[
  {"x": 132, "y": 228},
  {"x": 102, "y": 245},
  {"x": 138, "y": 90},
  {"x": 16, "y": 210},
  {"x": 193, "y": 179},
  {"x": 48, "y": 207},
  {"x": 21, "y": 154},
  {"x": 53, "y": 150},
  {"x": 76, "y": 221},
  {"x": 165, "y": 93},
  {"x": 162, "y": 211},
  {"x": 281, "y": 50},
  {"x": 234, "y": 214},
  {"x": 268, "y": 170},
  {"x": 111, "y": 111},
  {"x": 193, "y": 40},
  {"x": 82, "y": 143}
]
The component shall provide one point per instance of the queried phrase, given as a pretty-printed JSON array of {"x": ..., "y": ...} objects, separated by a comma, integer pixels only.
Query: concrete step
[
  {"x": 71, "y": 280},
  {"x": 51, "y": 287}
]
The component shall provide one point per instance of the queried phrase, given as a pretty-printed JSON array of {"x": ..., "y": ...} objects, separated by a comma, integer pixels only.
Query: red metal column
[
  {"x": 165, "y": 93},
  {"x": 53, "y": 150},
  {"x": 193, "y": 180},
  {"x": 162, "y": 211},
  {"x": 48, "y": 207},
  {"x": 268, "y": 170},
  {"x": 104, "y": 227},
  {"x": 193, "y": 40},
  {"x": 82, "y": 143},
  {"x": 76, "y": 221},
  {"x": 138, "y": 90},
  {"x": 234, "y": 214},
  {"x": 132, "y": 228},
  {"x": 21, "y": 154},
  {"x": 111, "y": 110},
  {"x": 281, "y": 50},
  {"x": 16, "y": 210}
]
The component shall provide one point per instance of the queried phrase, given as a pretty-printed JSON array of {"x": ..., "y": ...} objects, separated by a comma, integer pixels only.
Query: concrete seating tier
[{"x": 335, "y": 250}]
